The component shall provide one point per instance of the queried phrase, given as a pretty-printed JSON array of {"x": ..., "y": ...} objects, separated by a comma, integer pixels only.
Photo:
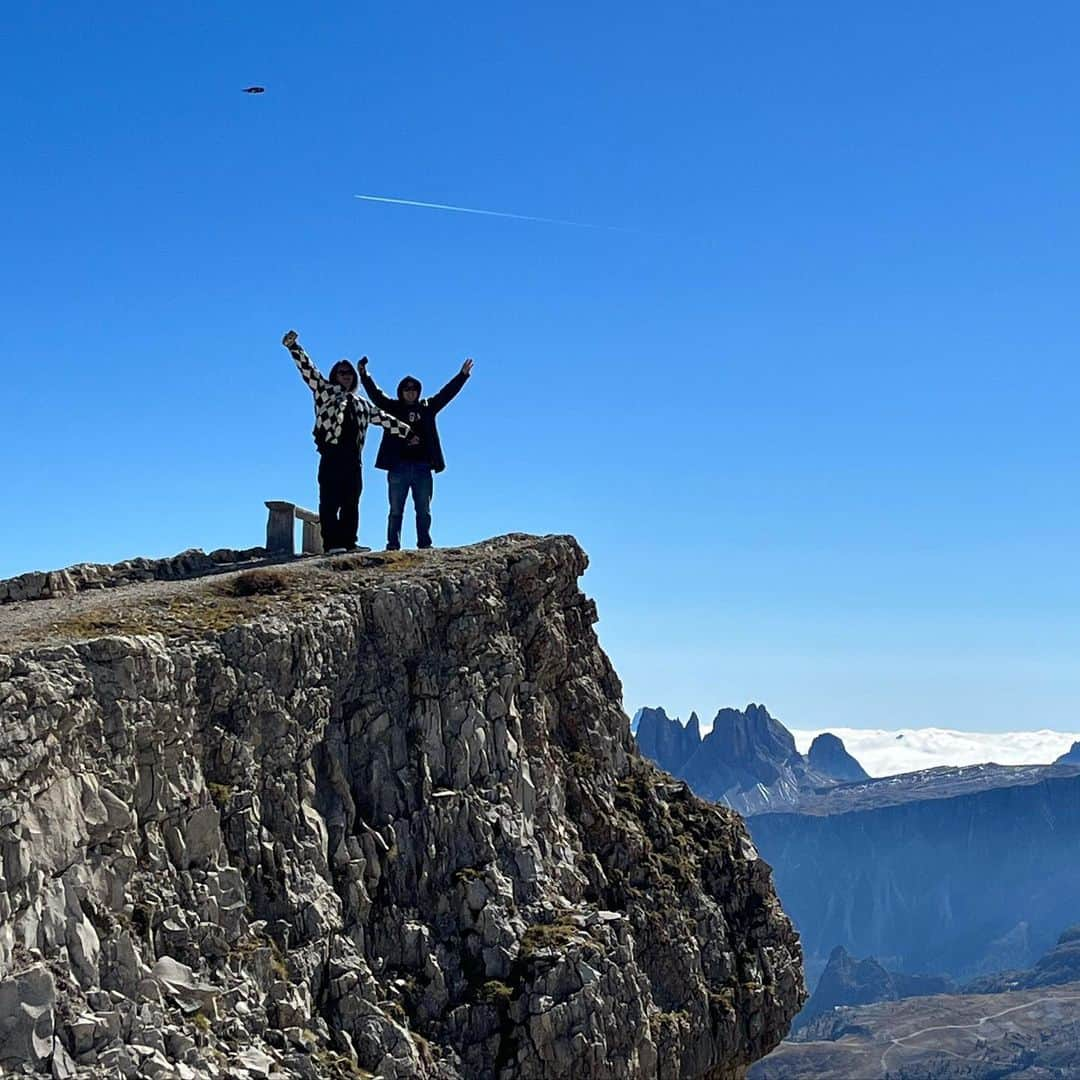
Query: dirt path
[{"x": 896, "y": 1043}]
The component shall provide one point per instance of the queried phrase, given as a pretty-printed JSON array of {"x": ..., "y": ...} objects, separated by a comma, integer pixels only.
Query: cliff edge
[{"x": 382, "y": 815}]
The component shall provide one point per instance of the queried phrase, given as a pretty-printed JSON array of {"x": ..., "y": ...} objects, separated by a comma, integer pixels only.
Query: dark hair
[
  {"x": 343, "y": 365},
  {"x": 408, "y": 383}
]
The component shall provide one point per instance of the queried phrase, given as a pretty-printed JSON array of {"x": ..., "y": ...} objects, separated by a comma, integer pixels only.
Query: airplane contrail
[{"x": 486, "y": 213}]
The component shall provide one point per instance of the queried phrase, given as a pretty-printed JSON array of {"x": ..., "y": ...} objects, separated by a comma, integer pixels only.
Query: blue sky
[{"x": 811, "y": 411}]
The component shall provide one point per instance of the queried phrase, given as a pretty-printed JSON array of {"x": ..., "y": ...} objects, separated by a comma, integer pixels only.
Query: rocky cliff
[
  {"x": 950, "y": 871},
  {"x": 372, "y": 815},
  {"x": 1060, "y": 964}
]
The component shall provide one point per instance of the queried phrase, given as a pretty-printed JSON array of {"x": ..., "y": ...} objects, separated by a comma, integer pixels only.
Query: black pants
[{"x": 340, "y": 483}]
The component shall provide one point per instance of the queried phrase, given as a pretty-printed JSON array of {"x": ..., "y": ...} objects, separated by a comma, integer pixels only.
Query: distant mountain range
[
  {"x": 886, "y": 753},
  {"x": 954, "y": 871},
  {"x": 847, "y": 981},
  {"x": 748, "y": 761},
  {"x": 865, "y": 1021},
  {"x": 1018, "y": 1035}
]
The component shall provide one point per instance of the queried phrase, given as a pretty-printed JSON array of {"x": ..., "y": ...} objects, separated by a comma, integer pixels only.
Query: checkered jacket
[{"x": 332, "y": 400}]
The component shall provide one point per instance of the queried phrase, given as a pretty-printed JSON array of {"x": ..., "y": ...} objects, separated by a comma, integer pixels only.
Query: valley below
[{"x": 1025, "y": 1033}]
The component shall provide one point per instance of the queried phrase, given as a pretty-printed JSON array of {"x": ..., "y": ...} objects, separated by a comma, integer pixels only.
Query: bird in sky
[{"x": 254, "y": 90}]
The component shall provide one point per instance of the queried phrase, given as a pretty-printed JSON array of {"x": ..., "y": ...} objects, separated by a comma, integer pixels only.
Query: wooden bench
[{"x": 281, "y": 529}]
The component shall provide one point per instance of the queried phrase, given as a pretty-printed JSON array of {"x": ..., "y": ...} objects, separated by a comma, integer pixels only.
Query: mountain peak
[
  {"x": 827, "y": 755},
  {"x": 665, "y": 740},
  {"x": 1071, "y": 756},
  {"x": 751, "y": 735},
  {"x": 693, "y": 725}
]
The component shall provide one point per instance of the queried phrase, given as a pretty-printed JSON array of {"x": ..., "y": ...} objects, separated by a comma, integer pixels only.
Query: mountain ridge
[{"x": 748, "y": 759}]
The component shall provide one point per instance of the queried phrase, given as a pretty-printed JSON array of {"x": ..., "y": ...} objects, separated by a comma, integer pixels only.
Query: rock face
[
  {"x": 44, "y": 585},
  {"x": 666, "y": 741},
  {"x": 828, "y": 756},
  {"x": 1071, "y": 756},
  {"x": 378, "y": 813},
  {"x": 847, "y": 981},
  {"x": 1060, "y": 964},
  {"x": 953, "y": 871},
  {"x": 748, "y": 761}
]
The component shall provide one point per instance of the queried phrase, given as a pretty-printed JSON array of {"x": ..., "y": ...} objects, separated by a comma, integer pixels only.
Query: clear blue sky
[{"x": 812, "y": 414}]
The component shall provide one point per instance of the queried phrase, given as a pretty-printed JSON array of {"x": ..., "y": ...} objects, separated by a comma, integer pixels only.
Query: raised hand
[
  {"x": 466, "y": 368},
  {"x": 289, "y": 339},
  {"x": 362, "y": 363}
]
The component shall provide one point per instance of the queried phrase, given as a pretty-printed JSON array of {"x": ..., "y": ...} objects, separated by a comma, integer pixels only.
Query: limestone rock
[
  {"x": 26, "y": 1017},
  {"x": 389, "y": 818}
]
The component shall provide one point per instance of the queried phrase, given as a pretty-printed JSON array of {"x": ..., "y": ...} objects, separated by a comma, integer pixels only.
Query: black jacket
[{"x": 393, "y": 450}]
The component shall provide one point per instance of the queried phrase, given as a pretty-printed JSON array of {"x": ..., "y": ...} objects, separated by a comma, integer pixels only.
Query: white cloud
[{"x": 883, "y": 753}]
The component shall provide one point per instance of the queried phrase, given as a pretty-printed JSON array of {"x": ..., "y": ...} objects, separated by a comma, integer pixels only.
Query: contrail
[{"x": 486, "y": 213}]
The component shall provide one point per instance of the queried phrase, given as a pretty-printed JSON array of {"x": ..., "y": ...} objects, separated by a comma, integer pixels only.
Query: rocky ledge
[
  {"x": 44, "y": 585},
  {"x": 371, "y": 815}
]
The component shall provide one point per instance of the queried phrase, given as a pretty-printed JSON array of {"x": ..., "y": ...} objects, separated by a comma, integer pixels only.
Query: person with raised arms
[
  {"x": 341, "y": 422},
  {"x": 411, "y": 462}
]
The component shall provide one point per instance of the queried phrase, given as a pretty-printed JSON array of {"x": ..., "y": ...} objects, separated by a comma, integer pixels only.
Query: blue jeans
[{"x": 403, "y": 478}]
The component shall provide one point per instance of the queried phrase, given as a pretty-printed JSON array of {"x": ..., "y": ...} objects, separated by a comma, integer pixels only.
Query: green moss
[
  {"x": 584, "y": 762},
  {"x": 547, "y": 936},
  {"x": 277, "y": 961},
  {"x": 220, "y": 793},
  {"x": 395, "y": 1009},
  {"x": 495, "y": 992}
]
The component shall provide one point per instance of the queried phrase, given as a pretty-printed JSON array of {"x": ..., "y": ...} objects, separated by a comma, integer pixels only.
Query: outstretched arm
[
  {"x": 391, "y": 423},
  {"x": 370, "y": 387},
  {"x": 308, "y": 371},
  {"x": 452, "y": 388}
]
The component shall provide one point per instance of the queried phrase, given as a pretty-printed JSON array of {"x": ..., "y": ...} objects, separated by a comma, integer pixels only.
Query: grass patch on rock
[
  {"x": 542, "y": 936},
  {"x": 262, "y": 582},
  {"x": 495, "y": 992},
  {"x": 220, "y": 794}
]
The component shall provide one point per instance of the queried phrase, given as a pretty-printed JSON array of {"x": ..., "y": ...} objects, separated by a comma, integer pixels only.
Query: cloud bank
[{"x": 883, "y": 753}]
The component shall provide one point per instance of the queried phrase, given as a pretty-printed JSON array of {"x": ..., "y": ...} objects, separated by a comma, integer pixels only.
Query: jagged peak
[
  {"x": 828, "y": 756},
  {"x": 751, "y": 732},
  {"x": 1071, "y": 756}
]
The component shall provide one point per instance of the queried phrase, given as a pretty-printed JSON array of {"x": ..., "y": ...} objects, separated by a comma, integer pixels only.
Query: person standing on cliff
[
  {"x": 341, "y": 422},
  {"x": 411, "y": 463}
]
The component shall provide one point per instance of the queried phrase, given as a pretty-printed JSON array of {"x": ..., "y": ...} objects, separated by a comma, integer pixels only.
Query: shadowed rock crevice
[{"x": 395, "y": 822}]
